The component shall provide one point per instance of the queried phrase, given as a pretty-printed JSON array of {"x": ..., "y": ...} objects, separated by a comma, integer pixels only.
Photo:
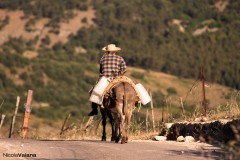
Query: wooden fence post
[
  {"x": 147, "y": 121},
  {"x": 14, "y": 117},
  {"x": 167, "y": 109},
  {"x": 89, "y": 122},
  {"x": 162, "y": 113},
  {"x": 203, "y": 87},
  {"x": 183, "y": 110},
  {"x": 2, "y": 120},
  {"x": 27, "y": 113},
  {"x": 64, "y": 123},
  {"x": 153, "y": 120}
]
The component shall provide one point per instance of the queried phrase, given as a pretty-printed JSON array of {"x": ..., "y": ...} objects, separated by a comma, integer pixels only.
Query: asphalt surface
[{"x": 97, "y": 150}]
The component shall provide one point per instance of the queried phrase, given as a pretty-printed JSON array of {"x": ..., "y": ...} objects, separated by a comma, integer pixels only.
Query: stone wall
[{"x": 220, "y": 131}]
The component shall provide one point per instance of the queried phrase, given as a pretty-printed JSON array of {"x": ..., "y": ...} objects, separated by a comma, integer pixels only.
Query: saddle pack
[{"x": 105, "y": 85}]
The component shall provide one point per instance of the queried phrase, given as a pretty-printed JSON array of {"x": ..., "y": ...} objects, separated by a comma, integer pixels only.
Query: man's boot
[{"x": 94, "y": 110}]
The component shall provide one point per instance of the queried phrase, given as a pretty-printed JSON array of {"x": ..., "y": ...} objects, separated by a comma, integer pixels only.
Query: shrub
[
  {"x": 137, "y": 75},
  {"x": 171, "y": 91},
  {"x": 158, "y": 99},
  {"x": 46, "y": 40},
  {"x": 84, "y": 20},
  {"x": 24, "y": 76}
]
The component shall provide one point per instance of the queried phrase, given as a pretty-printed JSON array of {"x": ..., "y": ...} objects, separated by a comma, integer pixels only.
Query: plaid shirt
[{"x": 112, "y": 64}]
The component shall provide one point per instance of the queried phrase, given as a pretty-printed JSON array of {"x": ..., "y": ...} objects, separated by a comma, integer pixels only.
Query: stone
[
  {"x": 189, "y": 139},
  {"x": 180, "y": 139},
  {"x": 168, "y": 125},
  {"x": 160, "y": 138}
]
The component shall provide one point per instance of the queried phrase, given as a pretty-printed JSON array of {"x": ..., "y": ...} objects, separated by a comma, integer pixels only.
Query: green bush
[
  {"x": 84, "y": 20},
  {"x": 137, "y": 75},
  {"x": 158, "y": 99},
  {"x": 24, "y": 76},
  {"x": 46, "y": 41},
  {"x": 171, "y": 91}
]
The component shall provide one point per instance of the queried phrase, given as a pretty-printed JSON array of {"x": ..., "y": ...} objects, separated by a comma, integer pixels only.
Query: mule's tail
[{"x": 124, "y": 99}]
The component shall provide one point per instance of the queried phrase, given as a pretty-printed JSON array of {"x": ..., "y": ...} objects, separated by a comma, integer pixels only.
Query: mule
[{"x": 118, "y": 106}]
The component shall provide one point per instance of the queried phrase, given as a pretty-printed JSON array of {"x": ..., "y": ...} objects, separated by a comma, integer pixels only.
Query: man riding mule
[
  {"x": 116, "y": 94},
  {"x": 111, "y": 65}
]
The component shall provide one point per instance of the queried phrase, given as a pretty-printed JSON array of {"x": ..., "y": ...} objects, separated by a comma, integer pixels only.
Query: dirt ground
[{"x": 96, "y": 149}]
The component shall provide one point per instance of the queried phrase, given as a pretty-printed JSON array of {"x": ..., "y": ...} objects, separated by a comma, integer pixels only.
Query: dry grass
[
  {"x": 228, "y": 111},
  {"x": 30, "y": 54},
  {"x": 221, "y": 5}
]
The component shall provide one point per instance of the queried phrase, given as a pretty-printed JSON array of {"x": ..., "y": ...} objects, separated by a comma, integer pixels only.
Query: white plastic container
[
  {"x": 142, "y": 92},
  {"x": 101, "y": 86},
  {"x": 96, "y": 98}
]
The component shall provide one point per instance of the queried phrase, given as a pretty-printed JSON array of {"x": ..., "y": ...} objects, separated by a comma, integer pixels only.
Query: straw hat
[{"x": 111, "y": 48}]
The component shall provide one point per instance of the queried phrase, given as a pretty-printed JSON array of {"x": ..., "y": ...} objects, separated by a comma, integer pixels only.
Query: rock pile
[{"x": 219, "y": 130}]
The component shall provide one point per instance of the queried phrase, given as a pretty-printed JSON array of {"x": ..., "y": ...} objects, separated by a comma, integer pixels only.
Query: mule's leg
[
  {"x": 128, "y": 122},
  {"x": 122, "y": 129},
  {"x": 103, "y": 125},
  {"x": 104, "y": 129},
  {"x": 112, "y": 126},
  {"x": 120, "y": 120},
  {"x": 116, "y": 127}
]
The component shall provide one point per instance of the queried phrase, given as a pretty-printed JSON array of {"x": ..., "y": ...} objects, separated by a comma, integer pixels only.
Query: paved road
[{"x": 97, "y": 150}]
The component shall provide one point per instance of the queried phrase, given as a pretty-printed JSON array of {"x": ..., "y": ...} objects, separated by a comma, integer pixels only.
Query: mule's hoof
[
  {"x": 113, "y": 139},
  {"x": 126, "y": 141},
  {"x": 123, "y": 140},
  {"x": 104, "y": 139},
  {"x": 117, "y": 140}
]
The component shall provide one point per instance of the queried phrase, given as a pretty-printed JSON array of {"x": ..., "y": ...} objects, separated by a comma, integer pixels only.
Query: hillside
[
  {"x": 54, "y": 49},
  {"x": 48, "y": 115},
  {"x": 46, "y": 120},
  {"x": 168, "y": 36}
]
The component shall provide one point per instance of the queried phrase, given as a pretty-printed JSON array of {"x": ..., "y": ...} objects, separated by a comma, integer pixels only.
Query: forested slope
[
  {"x": 150, "y": 37},
  {"x": 170, "y": 36}
]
